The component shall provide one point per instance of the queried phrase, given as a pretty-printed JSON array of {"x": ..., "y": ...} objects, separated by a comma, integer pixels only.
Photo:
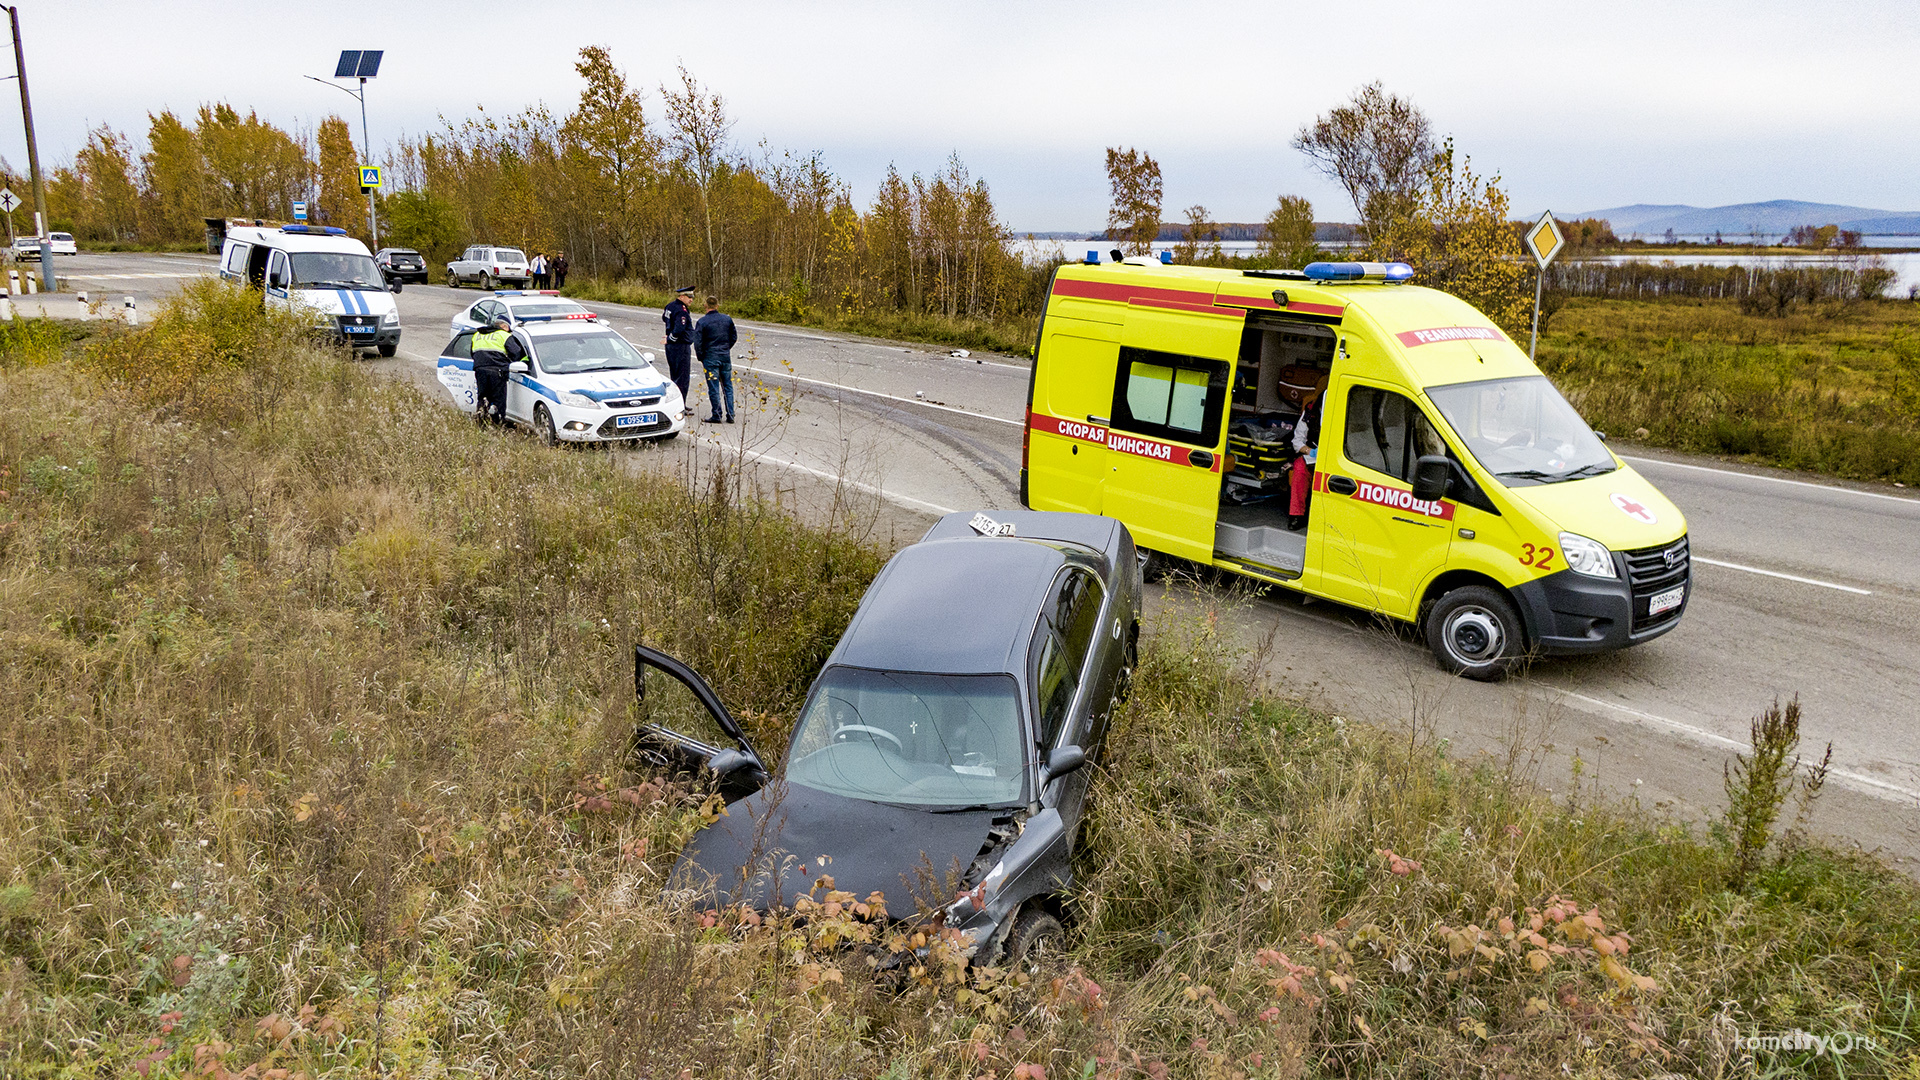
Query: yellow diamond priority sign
[{"x": 1544, "y": 239}]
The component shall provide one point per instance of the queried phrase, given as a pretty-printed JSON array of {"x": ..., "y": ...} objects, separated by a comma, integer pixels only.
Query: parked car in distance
[
  {"x": 518, "y": 305},
  {"x": 63, "y": 244},
  {"x": 942, "y": 756},
  {"x": 489, "y": 267},
  {"x": 402, "y": 264}
]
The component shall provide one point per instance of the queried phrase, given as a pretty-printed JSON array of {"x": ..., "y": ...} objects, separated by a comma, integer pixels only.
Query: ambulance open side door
[{"x": 1167, "y": 430}]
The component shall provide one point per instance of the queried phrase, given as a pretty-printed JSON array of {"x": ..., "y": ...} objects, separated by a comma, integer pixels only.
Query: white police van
[{"x": 321, "y": 268}]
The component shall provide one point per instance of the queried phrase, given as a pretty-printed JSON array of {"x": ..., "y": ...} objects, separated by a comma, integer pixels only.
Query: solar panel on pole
[
  {"x": 349, "y": 64},
  {"x": 369, "y": 63}
]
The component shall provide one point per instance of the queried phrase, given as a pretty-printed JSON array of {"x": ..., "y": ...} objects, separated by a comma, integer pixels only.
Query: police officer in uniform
[
  {"x": 490, "y": 345},
  {"x": 679, "y": 340}
]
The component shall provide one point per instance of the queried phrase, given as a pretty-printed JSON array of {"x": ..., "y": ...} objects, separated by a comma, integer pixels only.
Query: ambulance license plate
[
  {"x": 1666, "y": 601},
  {"x": 636, "y": 420}
]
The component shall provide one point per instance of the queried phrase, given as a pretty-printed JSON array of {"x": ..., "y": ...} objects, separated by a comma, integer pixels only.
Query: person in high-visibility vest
[{"x": 490, "y": 345}]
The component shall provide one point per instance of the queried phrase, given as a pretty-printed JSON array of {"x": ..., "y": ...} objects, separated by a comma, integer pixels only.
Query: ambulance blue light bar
[
  {"x": 1358, "y": 271},
  {"x": 1167, "y": 257},
  {"x": 1093, "y": 257},
  {"x": 316, "y": 230}
]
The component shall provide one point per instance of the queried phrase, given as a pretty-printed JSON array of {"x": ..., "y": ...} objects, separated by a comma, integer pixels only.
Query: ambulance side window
[
  {"x": 1169, "y": 395},
  {"x": 1387, "y": 433}
]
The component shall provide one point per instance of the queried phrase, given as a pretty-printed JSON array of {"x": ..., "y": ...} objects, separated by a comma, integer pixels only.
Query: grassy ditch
[
  {"x": 1834, "y": 391},
  {"x": 1013, "y": 336},
  {"x": 317, "y": 707}
]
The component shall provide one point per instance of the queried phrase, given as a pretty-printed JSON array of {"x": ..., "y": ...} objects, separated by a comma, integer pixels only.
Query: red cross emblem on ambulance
[{"x": 1634, "y": 508}]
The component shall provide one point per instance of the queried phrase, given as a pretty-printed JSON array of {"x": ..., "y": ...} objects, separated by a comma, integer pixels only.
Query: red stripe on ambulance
[
  {"x": 1400, "y": 499},
  {"x": 1436, "y": 334},
  {"x": 1126, "y": 444}
]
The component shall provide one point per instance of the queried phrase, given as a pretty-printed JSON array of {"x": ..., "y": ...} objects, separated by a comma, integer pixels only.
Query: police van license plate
[
  {"x": 636, "y": 420},
  {"x": 1666, "y": 601},
  {"x": 359, "y": 329}
]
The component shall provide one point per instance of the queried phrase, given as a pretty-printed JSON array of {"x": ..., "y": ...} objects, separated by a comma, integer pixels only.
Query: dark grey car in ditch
[{"x": 943, "y": 755}]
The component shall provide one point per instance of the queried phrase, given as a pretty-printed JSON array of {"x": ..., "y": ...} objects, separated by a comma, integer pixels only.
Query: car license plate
[
  {"x": 636, "y": 420},
  {"x": 1666, "y": 601},
  {"x": 359, "y": 329}
]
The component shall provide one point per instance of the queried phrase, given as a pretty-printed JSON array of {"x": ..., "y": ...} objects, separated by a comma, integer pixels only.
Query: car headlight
[
  {"x": 1584, "y": 556},
  {"x": 578, "y": 401},
  {"x": 392, "y": 318}
]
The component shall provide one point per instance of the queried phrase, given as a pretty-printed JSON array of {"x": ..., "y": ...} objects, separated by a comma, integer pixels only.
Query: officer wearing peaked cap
[{"x": 679, "y": 340}]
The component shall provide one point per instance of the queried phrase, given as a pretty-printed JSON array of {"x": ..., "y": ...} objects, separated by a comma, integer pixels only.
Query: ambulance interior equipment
[{"x": 1281, "y": 361}]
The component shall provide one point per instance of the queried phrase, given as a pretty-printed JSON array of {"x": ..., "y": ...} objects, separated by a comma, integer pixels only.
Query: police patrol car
[
  {"x": 581, "y": 382},
  {"x": 320, "y": 268},
  {"x": 518, "y": 305}
]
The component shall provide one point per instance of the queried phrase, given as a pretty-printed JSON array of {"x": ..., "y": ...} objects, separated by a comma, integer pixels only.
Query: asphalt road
[{"x": 1802, "y": 586}]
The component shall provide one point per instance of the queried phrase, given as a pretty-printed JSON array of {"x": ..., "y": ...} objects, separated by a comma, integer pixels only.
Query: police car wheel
[
  {"x": 1475, "y": 631},
  {"x": 543, "y": 426}
]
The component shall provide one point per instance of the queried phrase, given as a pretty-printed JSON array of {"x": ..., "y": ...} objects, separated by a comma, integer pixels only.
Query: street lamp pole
[
  {"x": 373, "y": 220},
  {"x": 349, "y": 69},
  {"x": 33, "y": 156}
]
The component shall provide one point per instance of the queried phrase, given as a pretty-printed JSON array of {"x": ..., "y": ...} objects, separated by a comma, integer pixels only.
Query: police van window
[
  {"x": 460, "y": 347},
  {"x": 1055, "y": 679},
  {"x": 236, "y": 262},
  {"x": 1388, "y": 433},
  {"x": 277, "y": 269},
  {"x": 1169, "y": 395}
]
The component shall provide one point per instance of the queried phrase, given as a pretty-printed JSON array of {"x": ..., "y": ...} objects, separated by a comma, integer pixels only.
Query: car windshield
[
  {"x": 921, "y": 740},
  {"x": 336, "y": 270},
  {"x": 509, "y": 255},
  {"x": 565, "y": 354},
  {"x": 1522, "y": 430},
  {"x": 549, "y": 308}
]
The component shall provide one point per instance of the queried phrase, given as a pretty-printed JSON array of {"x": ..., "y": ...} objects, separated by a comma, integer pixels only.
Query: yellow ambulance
[{"x": 1451, "y": 486}]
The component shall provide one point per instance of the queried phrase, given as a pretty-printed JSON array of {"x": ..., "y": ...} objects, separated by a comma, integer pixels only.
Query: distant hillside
[{"x": 1777, "y": 216}]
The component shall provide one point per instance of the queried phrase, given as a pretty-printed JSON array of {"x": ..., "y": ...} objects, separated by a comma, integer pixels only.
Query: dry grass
[
  {"x": 1834, "y": 391},
  {"x": 316, "y": 754}
]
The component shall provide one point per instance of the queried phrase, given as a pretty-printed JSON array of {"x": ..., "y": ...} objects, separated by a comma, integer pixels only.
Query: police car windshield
[
  {"x": 919, "y": 740},
  {"x": 1522, "y": 430},
  {"x": 335, "y": 270},
  {"x": 566, "y": 354}
]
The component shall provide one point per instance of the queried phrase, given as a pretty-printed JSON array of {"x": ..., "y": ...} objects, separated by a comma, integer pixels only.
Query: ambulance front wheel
[{"x": 1476, "y": 631}]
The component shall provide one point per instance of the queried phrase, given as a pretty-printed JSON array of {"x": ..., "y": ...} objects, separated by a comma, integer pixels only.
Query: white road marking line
[
  {"x": 1774, "y": 479},
  {"x": 1878, "y": 787},
  {"x": 127, "y": 277},
  {"x": 871, "y": 489},
  {"x": 879, "y": 394},
  {"x": 1778, "y": 574}
]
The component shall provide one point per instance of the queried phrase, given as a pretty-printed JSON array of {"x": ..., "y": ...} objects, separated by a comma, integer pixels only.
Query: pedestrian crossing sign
[{"x": 369, "y": 176}]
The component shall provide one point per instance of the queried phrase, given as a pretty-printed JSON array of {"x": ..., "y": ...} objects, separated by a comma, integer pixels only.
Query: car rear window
[
  {"x": 550, "y": 308},
  {"x": 508, "y": 255}
]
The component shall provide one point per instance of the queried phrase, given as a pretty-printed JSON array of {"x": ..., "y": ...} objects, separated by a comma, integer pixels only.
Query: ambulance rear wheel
[{"x": 1475, "y": 631}]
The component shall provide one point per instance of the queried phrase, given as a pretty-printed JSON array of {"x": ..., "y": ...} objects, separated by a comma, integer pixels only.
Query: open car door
[{"x": 686, "y": 731}]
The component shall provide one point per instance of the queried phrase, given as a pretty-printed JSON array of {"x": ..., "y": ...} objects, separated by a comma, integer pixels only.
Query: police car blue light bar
[
  {"x": 577, "y": 316},
  {"x": 1358, "y": 271},
  {"x": 321, "y": 230},
  {"x": 526, "y": 292}
]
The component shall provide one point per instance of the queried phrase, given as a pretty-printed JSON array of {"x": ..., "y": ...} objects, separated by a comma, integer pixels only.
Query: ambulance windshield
[
  {"x": 1522, "y": 430},
  {"x": 920, "y": 740}
]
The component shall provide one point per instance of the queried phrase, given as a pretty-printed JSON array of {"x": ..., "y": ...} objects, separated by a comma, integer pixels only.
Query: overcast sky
[{"x": 1578, "y": 106}]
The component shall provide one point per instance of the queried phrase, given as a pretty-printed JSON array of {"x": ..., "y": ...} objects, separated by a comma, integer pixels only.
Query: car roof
[
  {"x": 292, "y": 242},
  {"x": 958, "y": 605}
]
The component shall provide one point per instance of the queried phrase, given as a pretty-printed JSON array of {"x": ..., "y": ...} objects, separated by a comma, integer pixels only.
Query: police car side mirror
[
  {"x": 647, "y": 356},
  {"x": 518, "y": 367},
  {"x": 1430, "y": 476}
]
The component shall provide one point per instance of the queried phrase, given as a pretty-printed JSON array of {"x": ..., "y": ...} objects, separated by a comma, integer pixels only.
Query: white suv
[{"x": 490, "y": 267}]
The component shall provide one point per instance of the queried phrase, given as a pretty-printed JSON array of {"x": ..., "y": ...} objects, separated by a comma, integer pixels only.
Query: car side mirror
[
  {"x": 518, "y": 367},
  {"x": 1430, "y": 476},
  {"x": 395, "y": 285},
  {"x": 1063, "y": 760},
  {"x": 647, "y": 356},
  {"x": 729, "y": 761}
]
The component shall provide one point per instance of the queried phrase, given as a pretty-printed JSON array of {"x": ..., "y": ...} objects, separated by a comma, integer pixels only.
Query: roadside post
[
  {"x": 8, "y": 203},
  {"x": 1545, "y": 241},
  {"x": 33, "y": 152}
]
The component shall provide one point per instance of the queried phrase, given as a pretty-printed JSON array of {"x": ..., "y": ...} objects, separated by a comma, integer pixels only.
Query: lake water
[{"x": 1904, "y": 264}]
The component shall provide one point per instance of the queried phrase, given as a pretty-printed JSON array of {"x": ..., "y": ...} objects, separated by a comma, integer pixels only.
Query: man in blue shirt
[{"x": 713, "y": 338}]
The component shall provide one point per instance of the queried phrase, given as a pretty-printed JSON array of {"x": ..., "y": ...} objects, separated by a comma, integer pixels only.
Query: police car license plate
[
  {"x": 359, "y": 329},
  {"x": 1666, "y": 601},
  {"x": 636, "y": 420}
]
